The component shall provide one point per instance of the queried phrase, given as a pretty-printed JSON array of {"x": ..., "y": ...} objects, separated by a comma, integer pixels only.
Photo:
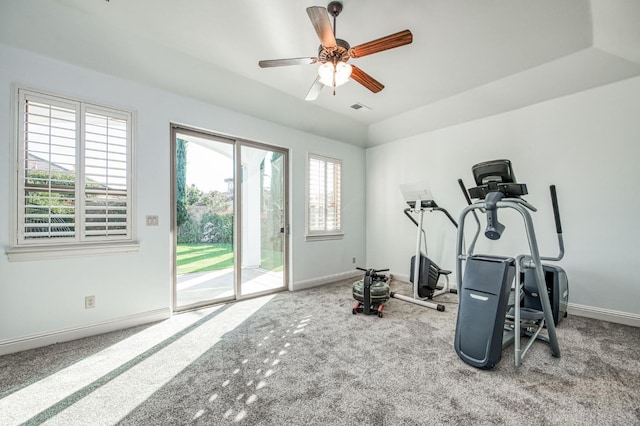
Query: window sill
[
  {"x": 20, "y": 254},
  {"x": 324, "y": 237}
]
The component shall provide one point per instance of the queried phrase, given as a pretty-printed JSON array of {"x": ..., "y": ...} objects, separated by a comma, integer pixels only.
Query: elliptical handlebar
[
  {"x": 475, "y": 216},
  {"x": 523, "y": 202},
  {"x": 556, "y": 210},
  {"x": 464, "y": 191},
  {"x": 556, "y": 217}
]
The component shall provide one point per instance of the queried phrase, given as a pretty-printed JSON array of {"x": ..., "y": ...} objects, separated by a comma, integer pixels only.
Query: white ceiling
[{"x": 469, "y": 58}]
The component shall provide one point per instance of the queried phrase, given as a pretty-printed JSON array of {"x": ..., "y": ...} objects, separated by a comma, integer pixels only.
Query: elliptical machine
[
  {"x": 490, "y": 315},
  {"x": 424, "y": 273}
]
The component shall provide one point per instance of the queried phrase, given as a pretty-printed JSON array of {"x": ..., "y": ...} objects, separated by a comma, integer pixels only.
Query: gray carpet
[{"x": 302, "y": 358}]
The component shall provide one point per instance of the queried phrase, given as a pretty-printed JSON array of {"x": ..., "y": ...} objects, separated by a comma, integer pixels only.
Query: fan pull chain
[{"x": 334, "y": 71}]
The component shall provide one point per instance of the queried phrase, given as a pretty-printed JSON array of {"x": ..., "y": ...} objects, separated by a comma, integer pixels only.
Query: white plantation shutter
[
  {"x": 47, "y": 169},
  {"x": 106, "y": 180},
  {"x": 332, "y": 220},
  {"x": 316, "y": 194},
  {"x": 73, "y": 171},
  {"x": 324, "y": 195}
]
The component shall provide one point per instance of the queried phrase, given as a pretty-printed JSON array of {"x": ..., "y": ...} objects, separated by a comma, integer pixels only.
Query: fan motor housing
[{"x": 339, "y": 52}]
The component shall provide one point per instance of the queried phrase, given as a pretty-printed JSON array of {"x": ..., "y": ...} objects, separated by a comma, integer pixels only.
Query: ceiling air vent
[{"x": 358, "y": 105}]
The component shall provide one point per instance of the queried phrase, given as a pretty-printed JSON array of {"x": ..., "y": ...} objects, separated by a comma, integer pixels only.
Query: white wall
[
  {"x": 42, "y": 297},
  {"x": 588, "y": 144}
]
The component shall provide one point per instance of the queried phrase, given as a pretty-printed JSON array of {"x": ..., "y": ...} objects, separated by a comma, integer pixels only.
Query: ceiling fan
[{"x": 334, "y": 53}]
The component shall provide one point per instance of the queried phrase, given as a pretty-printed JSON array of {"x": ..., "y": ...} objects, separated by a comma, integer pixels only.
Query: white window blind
[
  {"x": 74, "y": 171},
  {"x": 324, "y": 195},
  {"x": 105, "y": 175}
]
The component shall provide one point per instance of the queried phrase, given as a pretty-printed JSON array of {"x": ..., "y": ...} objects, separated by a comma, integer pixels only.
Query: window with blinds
[
  {"x": 324, "y": 196},
  {"x": 74, "y": 171}
]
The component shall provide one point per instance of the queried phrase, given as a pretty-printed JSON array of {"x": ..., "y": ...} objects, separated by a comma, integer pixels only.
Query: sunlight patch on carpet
[
  {"x": 229, "y": 404},
  {"x": 150, "y": 359}
]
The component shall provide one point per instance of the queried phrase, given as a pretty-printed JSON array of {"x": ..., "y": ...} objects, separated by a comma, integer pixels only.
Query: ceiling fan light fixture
[
  {"x": 333, "y": 53},
  {"x": 341, "y": 71}
]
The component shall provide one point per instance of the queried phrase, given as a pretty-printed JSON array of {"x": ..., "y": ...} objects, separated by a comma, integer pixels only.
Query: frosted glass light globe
[{"x": 342, "y": 73}]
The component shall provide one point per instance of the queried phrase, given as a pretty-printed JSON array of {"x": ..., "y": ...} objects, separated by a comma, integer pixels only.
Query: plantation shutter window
[
  {"x": 324, "y": 196},
  {"x": 105, "y": 175},
  {"x": 73, "y": 171},
  {"x": 48, "y": 175}
]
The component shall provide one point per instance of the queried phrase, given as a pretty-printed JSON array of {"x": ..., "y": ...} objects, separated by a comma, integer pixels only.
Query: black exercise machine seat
[{"x": 429, "y": 269}]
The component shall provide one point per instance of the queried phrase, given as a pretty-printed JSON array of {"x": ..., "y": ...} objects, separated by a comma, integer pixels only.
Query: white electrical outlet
[
  {"x": 152, "y": 220},
  {"x": 354, "y": 261},
  {"x": 90, "y": 302}
]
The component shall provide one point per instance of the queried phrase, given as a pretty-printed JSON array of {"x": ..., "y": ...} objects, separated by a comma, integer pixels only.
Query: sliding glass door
[
  {"x": 264, "y": 227},
  {"x": 230, "y": 239},
  {"x": 204, "y": 219}
]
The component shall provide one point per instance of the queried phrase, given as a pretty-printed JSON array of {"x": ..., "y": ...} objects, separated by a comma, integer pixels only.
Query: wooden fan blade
[
  {"x": 315, "y": 90},
  {"x": 320, "y": 20},
  {"x": 366, "y": 80},
  {"x": 383, "y": 43},
  {"x": 285, "y": 62}
]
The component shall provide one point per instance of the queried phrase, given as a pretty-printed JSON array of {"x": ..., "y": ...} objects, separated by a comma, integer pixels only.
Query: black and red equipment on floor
[{"x": 371, "y": 292}]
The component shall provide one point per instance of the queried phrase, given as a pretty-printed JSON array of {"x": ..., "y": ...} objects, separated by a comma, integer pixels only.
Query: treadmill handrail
[
  {"x": 440, "y": 209},
  {"x": 448, "y": 215},
  {"x": 406, "y": 212}
]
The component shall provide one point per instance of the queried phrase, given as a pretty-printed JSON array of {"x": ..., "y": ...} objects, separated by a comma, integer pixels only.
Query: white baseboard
[
  {"x": 609, "y": 315},
  {"x": 44, "y": 339},
  {"x": 604, "y": 314},
  {"x": 49, "y": 338},
  {"x": 314, "y": 282}
]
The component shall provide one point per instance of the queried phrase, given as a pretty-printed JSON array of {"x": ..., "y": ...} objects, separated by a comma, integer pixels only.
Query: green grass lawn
[{"x": 191, "y": 258}]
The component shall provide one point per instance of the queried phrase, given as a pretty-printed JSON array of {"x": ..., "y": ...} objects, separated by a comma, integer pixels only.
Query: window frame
[
  {"x": 21, "y": 249},
  {"x": 316, "y": 235}
]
